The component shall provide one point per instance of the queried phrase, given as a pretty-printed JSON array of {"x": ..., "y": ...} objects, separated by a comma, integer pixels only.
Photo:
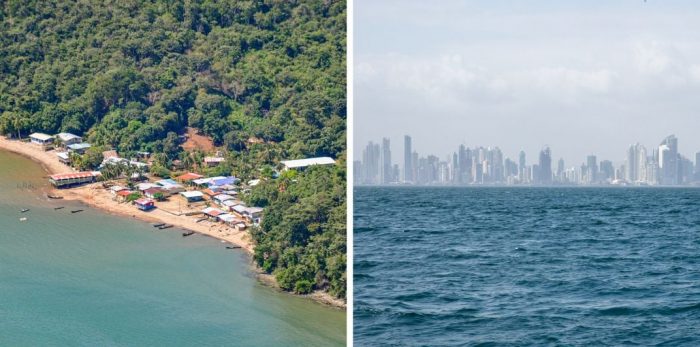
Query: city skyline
[
  {"x": 581, "y": 77},
  {"x": 662, "y": 164}
]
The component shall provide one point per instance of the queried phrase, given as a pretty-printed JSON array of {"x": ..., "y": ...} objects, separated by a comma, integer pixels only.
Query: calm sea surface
[
  {"x": 99, "y": 280},
  {"x": 527, "y": 266}
]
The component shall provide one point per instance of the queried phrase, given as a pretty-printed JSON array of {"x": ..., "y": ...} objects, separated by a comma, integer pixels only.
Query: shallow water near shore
[
  {"x": 92, "y": 278},
  {"x": 527, "y": 266}
]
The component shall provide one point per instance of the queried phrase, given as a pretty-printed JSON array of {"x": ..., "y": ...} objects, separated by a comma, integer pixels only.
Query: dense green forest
[{"x": 265, "y": 80}]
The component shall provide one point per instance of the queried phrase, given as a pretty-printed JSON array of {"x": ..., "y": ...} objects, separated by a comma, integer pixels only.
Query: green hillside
[{"x": 265, "y": 80}]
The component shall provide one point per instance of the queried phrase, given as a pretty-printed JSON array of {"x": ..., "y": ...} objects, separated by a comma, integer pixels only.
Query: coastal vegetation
[{"x": 263, "y": 80}]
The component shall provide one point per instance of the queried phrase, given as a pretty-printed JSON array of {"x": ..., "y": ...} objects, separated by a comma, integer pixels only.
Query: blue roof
[
  {"x": 222, "y": 181},
  {"x": 167, "y": 181}
]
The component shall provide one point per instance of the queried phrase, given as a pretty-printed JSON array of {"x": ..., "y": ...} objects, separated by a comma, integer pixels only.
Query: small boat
[
  {"x": 76, "y": 211},
  {"x": 167, "y": 226},
  {"x": 158, "y": 225},
  {"x": 58, "y": 208},
  {"x": 24, "y": 210},
  {"x": 23, "y": 219},
  {"x": 187, "y": 233},
  {"x": 232, "y": 247},
  {"x": 54, "y": 196}
]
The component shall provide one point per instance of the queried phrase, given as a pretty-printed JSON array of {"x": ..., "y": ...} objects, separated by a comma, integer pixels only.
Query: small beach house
[
  {"x": 145, "y": 204},
  {"x": 44, "y": 140},
  {"x": 193, "y": 196},
  {"x": 67, "y": 139},
  {"x": 79, "y": 148},
  {"x": 63, "y": 157},
  {"x": 212, "y": 213}
]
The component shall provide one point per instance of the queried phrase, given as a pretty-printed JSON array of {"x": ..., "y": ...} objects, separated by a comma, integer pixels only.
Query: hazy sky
[{"x": 584, "y": 77}]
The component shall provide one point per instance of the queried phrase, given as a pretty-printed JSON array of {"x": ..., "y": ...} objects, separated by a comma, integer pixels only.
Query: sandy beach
[{"x": 96, "y": 196}]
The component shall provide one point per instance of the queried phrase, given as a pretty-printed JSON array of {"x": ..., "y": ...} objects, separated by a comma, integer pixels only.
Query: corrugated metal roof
[
  {"x": 73, "y": 175},
  {"x": 297, "y": 163},
  {"x": 65, "y": 137},
  {"x": 192, "y": 194},
  {"x": 41, "y": 136}
]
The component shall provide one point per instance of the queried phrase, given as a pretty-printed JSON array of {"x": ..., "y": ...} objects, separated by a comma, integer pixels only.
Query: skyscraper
[
  {"x": 407, "y": 159},
  {"x": 668, "y": 161},
  {"x": 370, "y": 163},
  {"x": 386, "y": 172},
  {"x": 544, "y": 170},
  {"x": 591, "y": 169},
  {"x": 522, "y": 171}
]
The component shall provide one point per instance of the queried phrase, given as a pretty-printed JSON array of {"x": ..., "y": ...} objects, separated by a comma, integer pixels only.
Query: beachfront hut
[
  {"x": 79, "y": 148},
  {"x": 300, "y": 164},
  {"x": 44, "y": 140},
  {"x": 68, "y": 139},
  {"x": 116, "y": 189},
  {"x": 213, "y": 161},
  {"x": 63, "y": 157},
  {"x": 212, "y": 213},
  {"x": 229, "y": 219},
  {"x": 72, "y": 179},
  {"x": 123, "y": 195},
  {"x": 193, "y": 196},
  {"x": 145, "y": 204}
]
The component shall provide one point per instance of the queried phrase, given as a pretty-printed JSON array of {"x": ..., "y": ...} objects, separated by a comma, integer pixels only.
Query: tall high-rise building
[
  {"x": 544, "y": 170},
  {"x": 668, "y": 161},
  {"x": 407, "y": 159},
  {"x": 636, "y": 164},
  {"x": 591, "y": 169},
  {"x": 370, "y": 163},
  {"x": 386, "y": 171},
  {"x": 522, "y": 171},
  {"x": 358, "y": 172},
  {"x": 560, "y": 170},
  {"x": 607, "y": 171}
]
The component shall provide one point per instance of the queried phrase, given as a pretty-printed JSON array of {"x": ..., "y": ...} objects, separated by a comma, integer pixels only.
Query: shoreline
[{"x": 95, "y": 196}]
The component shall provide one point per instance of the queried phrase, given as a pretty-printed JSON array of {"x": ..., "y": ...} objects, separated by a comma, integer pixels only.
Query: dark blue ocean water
[{"x": 527, "y": 266}]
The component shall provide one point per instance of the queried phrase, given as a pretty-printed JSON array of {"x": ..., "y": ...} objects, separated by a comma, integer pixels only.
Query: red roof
[
  {"x": 189, "y": 176},
  {"x": 210, "y": 192},
  {"x": 124, "y": 192},
  {"x": 73, "y": 175}
]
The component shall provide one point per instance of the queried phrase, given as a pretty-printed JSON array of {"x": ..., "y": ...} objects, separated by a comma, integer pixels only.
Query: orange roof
[
  {"x": 210, "y": 192},
  {"x": 189, "y": 176},
  {"x": 124, "y": 192},
  {"x": 73, "y": 175}
]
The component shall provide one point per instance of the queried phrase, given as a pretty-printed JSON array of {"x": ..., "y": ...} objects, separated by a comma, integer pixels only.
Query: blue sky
[{"x": 583, "y": 77}]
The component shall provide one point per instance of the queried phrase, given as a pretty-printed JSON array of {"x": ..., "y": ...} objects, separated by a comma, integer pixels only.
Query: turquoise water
[
  {"x": 527, "y": 266},
  {"x": 95, "y": 279}
]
